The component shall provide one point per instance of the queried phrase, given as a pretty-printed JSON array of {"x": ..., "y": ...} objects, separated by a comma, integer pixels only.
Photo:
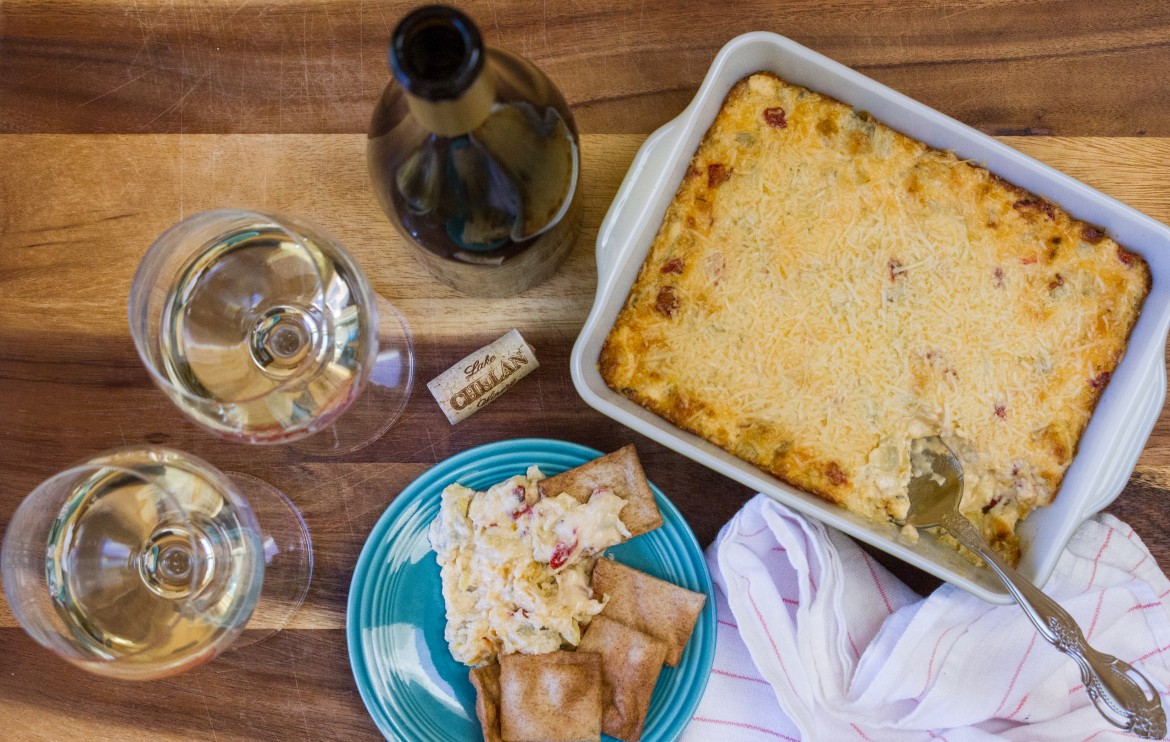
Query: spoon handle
[{"x": 1125, "y": 697}]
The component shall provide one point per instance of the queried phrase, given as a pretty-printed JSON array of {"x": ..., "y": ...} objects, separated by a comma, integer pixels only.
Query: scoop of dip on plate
[{"x": 516, "y": 567}]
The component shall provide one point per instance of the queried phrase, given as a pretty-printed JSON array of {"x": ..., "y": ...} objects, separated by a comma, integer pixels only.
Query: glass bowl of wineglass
[
  {"x": 141, "y": 563},
  {"x": 263, "y": 329}
]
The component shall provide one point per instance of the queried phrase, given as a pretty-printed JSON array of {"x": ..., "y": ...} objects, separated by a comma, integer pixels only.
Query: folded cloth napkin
[{"x": 817, "y": 641}]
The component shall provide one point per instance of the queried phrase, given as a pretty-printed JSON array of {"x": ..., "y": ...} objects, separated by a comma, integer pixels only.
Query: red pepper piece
[
  {"x": 775, "y": 118},
  {"x": 561, "y": 554},
  {"x": 1092, "y": 234},
  {"x": 667, "y": 302},
  {"x": 717, "y": 175}
]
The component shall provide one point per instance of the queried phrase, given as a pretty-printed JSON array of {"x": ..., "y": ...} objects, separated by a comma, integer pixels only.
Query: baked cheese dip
[
  {"x": 823, "y": 290},
  {"x": 516, "y": 567}
]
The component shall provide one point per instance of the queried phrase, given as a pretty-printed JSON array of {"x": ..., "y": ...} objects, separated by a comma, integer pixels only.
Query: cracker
[
  {"x": 650, "y": 605},
  {"x": 553, "y": 697},
  {"x": 622, "y": 472},
  {"x": 630, "y": 663},
  {"x": 486, "y": 680}
]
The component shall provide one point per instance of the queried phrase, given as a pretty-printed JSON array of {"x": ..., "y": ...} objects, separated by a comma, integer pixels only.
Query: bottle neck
[{"x": 456, "y": 116}]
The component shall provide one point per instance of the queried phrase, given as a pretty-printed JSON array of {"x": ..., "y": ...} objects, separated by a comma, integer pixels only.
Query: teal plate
[{"x": 412, "y": 687}]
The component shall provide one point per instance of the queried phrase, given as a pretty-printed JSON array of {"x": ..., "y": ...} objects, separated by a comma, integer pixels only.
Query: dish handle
[
  {"x": 625, "y": 211},
  {"x": 1129, "y": 445}
]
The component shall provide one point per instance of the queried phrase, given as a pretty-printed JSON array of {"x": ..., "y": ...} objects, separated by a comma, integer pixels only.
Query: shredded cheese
[{"x": 847, "y": 289}]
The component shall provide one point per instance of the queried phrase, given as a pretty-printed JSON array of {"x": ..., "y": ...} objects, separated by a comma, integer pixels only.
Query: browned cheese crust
[{"x": 823, "y": 290}]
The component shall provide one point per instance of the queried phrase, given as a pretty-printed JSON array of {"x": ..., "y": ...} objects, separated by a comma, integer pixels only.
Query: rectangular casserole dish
[{"x": 1124, "y": 416}]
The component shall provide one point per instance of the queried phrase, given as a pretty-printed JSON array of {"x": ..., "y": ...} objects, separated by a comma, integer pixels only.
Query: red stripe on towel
[
  {"x": 740, "y": 677},
  {"x": 1097, "y": 558},
  {"x": 930, "y": 664},
  {"x": 775, "y": 650},
  {"x": 742, "y": 725},
  {"x": 878, "y": 582},
  {"x": 1096, "y": 614},
  {"x": 1016, "y": 676}
]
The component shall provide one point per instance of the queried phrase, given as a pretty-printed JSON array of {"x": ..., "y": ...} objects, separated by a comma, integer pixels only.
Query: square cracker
[
  {"x": 486, "y": 680},
  {"x": 622, "y": 472},
  {"x": 630, "y": 663},
  {"x": 553, "y": 697},
  {"x": 650, "y": 605}
]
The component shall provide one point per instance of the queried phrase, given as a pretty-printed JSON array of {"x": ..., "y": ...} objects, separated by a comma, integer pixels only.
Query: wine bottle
[{"x": 473, "y": 154}]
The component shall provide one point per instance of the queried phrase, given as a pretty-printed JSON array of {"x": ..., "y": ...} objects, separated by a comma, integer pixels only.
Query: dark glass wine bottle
[{"x": 473, "y": 154}]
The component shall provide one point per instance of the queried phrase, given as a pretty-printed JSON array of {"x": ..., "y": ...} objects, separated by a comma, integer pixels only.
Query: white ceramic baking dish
[{"x": 1127, "y": 409}]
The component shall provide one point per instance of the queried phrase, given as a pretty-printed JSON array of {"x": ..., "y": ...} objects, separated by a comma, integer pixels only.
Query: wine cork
[{"x": 475, "y": 381}]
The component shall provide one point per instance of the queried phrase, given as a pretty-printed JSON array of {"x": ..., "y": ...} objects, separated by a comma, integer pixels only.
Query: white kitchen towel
[{"x": 817, "y": 641}]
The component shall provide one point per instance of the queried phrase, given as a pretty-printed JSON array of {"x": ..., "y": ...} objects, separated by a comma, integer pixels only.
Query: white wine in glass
[
  {"x": 264, "y": 330},
  {"x": 145, "y": 562}
]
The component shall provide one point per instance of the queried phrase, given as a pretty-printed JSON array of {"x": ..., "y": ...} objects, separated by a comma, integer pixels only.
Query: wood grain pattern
[
  {"x": 71, "y": 384},
  {"x": 315, "y": 67},
  {"x": 119, "y": 117}
]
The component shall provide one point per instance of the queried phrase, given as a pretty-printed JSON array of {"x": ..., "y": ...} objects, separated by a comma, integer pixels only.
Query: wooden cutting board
[{"x": 120, "y": 117}]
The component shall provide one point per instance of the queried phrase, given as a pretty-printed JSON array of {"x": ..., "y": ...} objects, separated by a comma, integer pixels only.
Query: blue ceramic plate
[{"x": 408, "y": 680}]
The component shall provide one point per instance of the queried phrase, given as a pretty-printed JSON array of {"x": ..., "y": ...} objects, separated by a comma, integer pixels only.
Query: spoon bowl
[{"x": 936, "y": 482}]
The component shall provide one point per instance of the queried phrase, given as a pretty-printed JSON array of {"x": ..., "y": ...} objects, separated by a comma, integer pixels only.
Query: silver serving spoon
[{"x": 1125, "y": 697}]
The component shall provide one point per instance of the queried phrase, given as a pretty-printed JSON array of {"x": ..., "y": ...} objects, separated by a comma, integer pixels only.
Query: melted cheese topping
[{"x": 823, "y": 290}]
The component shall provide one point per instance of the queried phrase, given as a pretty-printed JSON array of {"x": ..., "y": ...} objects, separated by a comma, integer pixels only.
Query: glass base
[
  {"x": 288, "y": 559},
  {"x": 382, "y": 401}
]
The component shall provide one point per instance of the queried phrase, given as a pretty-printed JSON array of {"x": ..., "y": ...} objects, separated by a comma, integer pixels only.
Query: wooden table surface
[{"x": 119, "y": 117}]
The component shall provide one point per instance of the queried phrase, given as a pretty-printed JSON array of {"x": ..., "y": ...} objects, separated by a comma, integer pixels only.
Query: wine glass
[
  {"x": 263, "y": 329},
  {"x": 141, "y": 563}
]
